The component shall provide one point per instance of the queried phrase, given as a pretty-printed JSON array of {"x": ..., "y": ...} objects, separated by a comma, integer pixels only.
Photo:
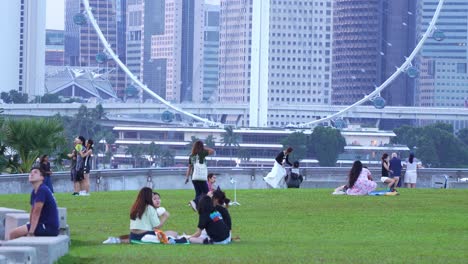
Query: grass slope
[{"x": 281, "y": 226}]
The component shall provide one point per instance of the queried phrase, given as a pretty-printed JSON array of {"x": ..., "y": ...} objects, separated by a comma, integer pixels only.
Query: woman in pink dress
[{"x": 360, "y": 180}]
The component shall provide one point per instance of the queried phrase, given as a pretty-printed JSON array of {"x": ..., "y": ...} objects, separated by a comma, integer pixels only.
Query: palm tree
[
  {"x": 230, "y": 139},
  {"x": 167, "y": 158},
  {"x": 29, "y": 138},
  {"x": 210, "y": 141},
  {"x": 192, "y": 141},
  {"x": 136, "y": 151}
]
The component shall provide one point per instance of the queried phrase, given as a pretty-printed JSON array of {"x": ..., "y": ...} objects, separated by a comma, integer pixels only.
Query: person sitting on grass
[
  {"x": 144, "y": 218},
  {"x": 211, "y": 220},
  {"x": 163, "y": 216},
  {"x": 211, "y": 181},
  {"x": 360, "y": 180},
  {"x": 44, "y": 220}
]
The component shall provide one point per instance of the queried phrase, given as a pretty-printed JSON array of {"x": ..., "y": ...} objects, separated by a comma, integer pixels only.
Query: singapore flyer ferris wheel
[{"x": 374, "y": 97}]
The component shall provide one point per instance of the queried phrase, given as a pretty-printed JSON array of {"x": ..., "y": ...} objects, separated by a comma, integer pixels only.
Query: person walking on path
[{"x": 198, "y": 154}]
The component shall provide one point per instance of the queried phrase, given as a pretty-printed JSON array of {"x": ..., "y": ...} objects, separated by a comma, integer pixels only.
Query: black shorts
[
  {"x": 79, "y": 175},
  {"x": 43, "y": 230},
  {"x": 87, "y": 169}
]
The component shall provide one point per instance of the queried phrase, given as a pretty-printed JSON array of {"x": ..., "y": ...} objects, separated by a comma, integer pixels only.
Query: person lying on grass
[
  {"x": 153, "y": 218},
  {"x": 212, "y": 221}
]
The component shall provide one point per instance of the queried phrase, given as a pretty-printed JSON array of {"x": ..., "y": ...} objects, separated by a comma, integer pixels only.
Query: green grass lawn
[{"x": 281, "y": 226}]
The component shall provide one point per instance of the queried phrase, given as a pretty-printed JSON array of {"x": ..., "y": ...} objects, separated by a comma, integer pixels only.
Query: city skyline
[{"x": 57, "y": 7}]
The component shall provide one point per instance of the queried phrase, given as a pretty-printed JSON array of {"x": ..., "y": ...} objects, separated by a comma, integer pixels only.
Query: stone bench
[
  {"x": 19, "y": 254},
  {"x": 13, "y": 220},
  {"x": 48, "y": 249},
  {"x": 3, "y": 212},
  {"x": 62, "y": 213}
]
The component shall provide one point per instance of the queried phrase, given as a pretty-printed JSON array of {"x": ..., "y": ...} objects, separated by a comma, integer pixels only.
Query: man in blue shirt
[
  {"x": 395, "y": 169},
  {"x": 43, "y": 220}
]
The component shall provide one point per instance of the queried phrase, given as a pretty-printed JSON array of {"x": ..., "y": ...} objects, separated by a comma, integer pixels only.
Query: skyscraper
[
  {"x": 356, "y": 49},
  {"x": 443, "y": 78},
  {"x": 398, "y": 41},
  {"x": 54, "y": 53},
  {"x": 111, "y": 18},
  {"x": 22, "y": 25},
  {"x": 235, "y": 38},
  {"x": 298, "y": 63},
  {"x": 205, "y": 55},
  {"x": 168, "y": 47},
  {"x": 145, "y": 18}
]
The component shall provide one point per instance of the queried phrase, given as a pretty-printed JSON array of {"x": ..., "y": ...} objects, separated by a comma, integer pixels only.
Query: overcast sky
[
  {"x": 56, "y": 10},
  {"x": 55, "y": 14}
]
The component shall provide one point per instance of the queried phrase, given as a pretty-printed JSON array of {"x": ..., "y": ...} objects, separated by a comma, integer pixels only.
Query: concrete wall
[{"x": 247, "y": 178}]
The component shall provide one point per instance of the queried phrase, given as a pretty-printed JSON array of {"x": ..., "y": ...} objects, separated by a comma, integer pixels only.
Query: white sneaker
[
  {"x": 84, "y": 193},
  {"x": 112, "y": 240},
  {"x": 193, "y": 205}
]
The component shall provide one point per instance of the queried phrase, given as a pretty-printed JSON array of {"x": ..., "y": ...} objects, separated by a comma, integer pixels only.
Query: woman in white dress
[
  {"x": 278, "y": 172},
  {"x": 412, "y": 165}
]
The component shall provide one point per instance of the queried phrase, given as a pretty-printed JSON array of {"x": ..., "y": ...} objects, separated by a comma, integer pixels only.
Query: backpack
[{"x": 293, "y": 180}]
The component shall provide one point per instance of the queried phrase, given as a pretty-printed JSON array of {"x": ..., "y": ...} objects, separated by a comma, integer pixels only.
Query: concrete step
[
  {"x": 48, "y": 249},
  {"x": 3, "y": 259},
  {"x": 457, "y": 185},
  {"x": 3, "y": 212},
  {"x": 13, "y": 220},
  {"x": 19, "y": 254}
]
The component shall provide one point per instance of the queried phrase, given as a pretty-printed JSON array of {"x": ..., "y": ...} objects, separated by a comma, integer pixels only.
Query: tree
[
  {"x": 210, "y": 141},
  {"x": 32, "y": 137},
  {"x": 136, "y": 151},
  {"x": 463, "y": 136},
  {"x": 327, "y": 144},
  {"x": 193, "y": 139},
  {"x": 298, "y": 141},
  {"x": 244, "y": 154},
  {"x": 86, "y": 124},
  {"x": 435, "y": 144},
  {"x": 230, "y": 139},
  {"x": 48, "y": 98},
  {"x": 14, "y": 97}
]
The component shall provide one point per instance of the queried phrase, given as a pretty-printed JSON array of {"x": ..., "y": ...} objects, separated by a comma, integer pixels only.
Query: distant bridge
[{"x": 218, "y": 110}]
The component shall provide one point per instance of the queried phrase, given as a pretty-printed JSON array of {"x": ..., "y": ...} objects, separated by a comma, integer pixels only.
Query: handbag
[{"x": 200, "y": 171}]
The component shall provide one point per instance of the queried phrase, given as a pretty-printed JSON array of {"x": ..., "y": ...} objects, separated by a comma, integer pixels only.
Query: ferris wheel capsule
[
  {"x": 101, "y": 58},
  {"x": 379, "y": 102},
  {"x": 167, "y": 116},
  {"x": 412, "y": 72},
  {"x": 438, "y": 35},
  {"x": 340, "y": 123},
  {"x": 80, "y": 19},
  {"x": 131, "y": 91}
]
